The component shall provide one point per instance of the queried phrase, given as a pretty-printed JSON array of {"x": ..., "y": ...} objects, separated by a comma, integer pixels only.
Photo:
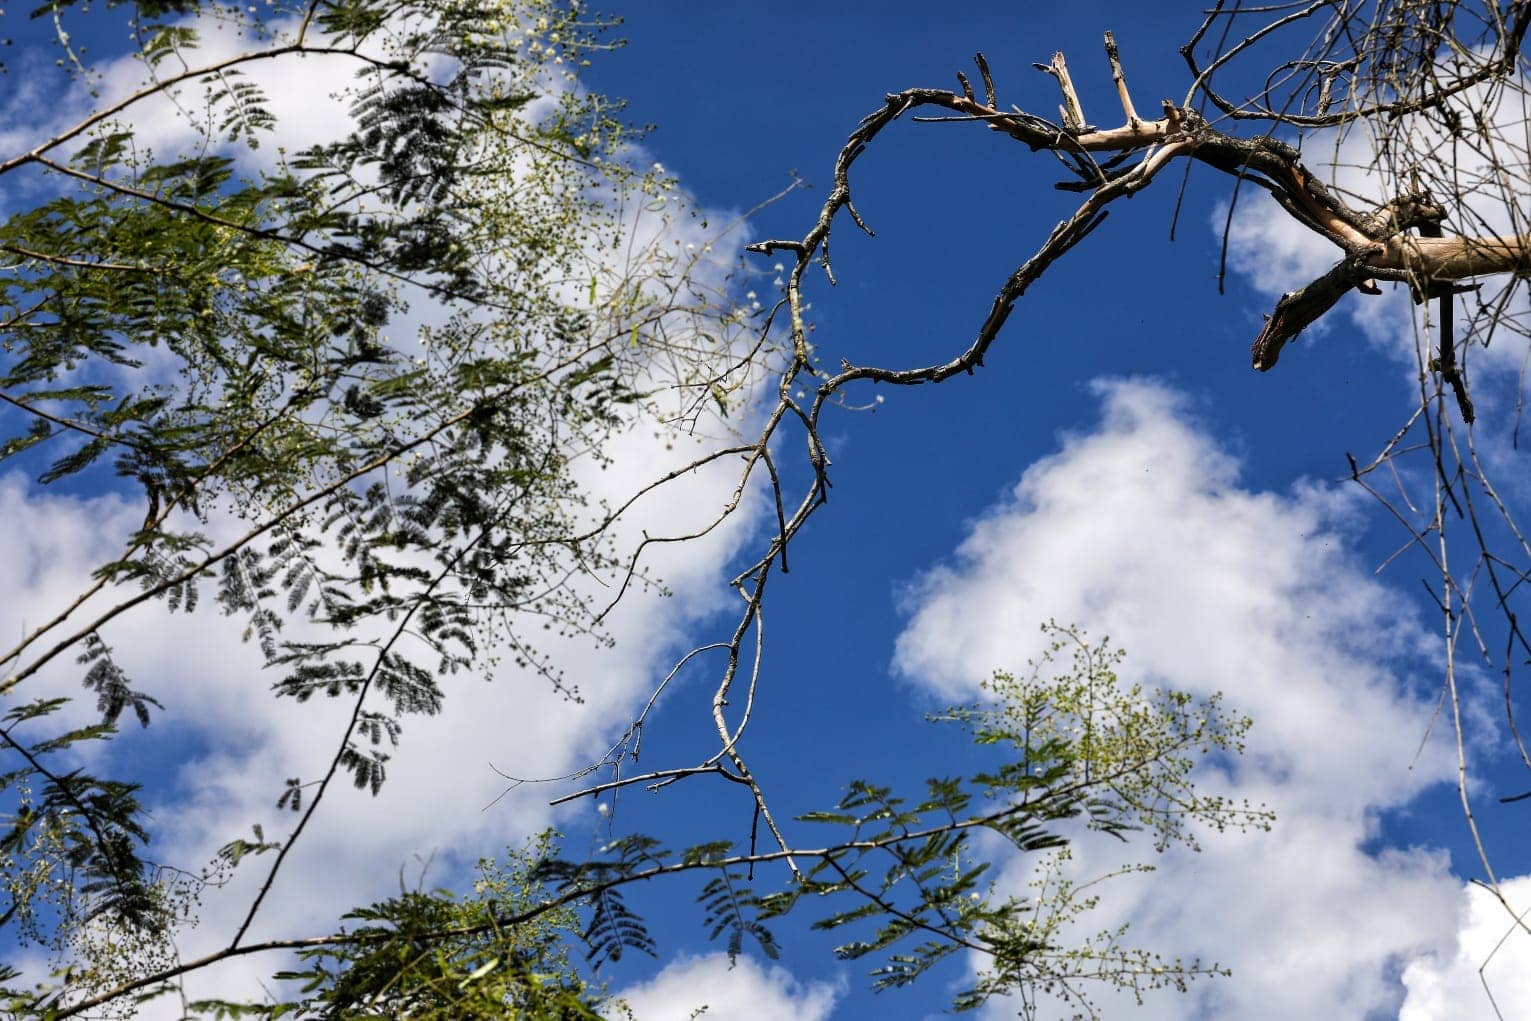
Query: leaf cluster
[
  {"x": 377, "y": 357},
  {"x": 440, "y": 956},
  {"x": 912, "y": 883},
  {"x": 1076, "y": 749}
]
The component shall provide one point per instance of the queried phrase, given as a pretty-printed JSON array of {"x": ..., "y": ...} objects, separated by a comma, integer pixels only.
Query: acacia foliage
[
  {"x": 1070, "y": 749},
  {"x": 347, "y": 381},
  {"x": 380, "y": 353}
]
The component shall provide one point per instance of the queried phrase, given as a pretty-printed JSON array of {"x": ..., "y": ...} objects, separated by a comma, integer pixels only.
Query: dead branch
[{"x": 1375, "y": 243}]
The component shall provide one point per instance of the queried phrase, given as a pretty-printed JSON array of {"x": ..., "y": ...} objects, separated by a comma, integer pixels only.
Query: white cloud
[
  {"x": 1490, "y": 960},
  {"x": 1142, "y": 530},
  {"x": 744, "y": 991},
  {"x": 49, "y": 543},
  {"x": 1273, "y": 253},
  {"x": 300, "y": 91}
]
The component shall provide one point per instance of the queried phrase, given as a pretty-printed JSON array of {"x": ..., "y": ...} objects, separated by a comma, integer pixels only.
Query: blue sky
[
  {"x": 1131, "y": 328},
  {"x": 1116, "y": 464}
]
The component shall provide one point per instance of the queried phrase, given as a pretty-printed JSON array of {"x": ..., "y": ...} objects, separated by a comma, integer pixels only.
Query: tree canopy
[{"x": 355, "y": 386}]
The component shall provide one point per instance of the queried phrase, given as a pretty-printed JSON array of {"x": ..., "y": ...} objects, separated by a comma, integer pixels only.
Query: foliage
[
  {"x": 381, "y": 356},
  {"x": 1076, "y": 750},
  {"x": 433, "y": 955},
  {"x": 349, "y": 383}
]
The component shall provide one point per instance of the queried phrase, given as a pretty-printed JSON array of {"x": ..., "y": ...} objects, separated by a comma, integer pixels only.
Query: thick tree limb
[
  {"x": 1299, "y": 309},
  {"x": 1377, "y": 243}
]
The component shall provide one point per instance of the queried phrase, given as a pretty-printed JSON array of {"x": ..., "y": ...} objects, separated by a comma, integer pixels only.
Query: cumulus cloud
[
  {"x": 1141, "y": 529},
  {"x": 307, "y": 93},
  {"x": 742, "y": 991},
  {"x": 49, "y": 543},
  {"x": 1489, "y": 961}
]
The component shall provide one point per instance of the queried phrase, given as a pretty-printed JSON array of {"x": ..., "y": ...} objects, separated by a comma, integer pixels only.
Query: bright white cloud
[
  {"x": 48, "y": 544},
  {"x": 1490, "y": 960},
  {"x": 743, "y": 991},
  {"x": 441, "y": 778},
  {"x": 1274, "y": 253},
  {"x": 1141, "y": 529}
]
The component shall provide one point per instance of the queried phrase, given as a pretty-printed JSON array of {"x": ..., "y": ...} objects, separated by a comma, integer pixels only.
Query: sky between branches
[{"x": 1115, "y": 465}]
